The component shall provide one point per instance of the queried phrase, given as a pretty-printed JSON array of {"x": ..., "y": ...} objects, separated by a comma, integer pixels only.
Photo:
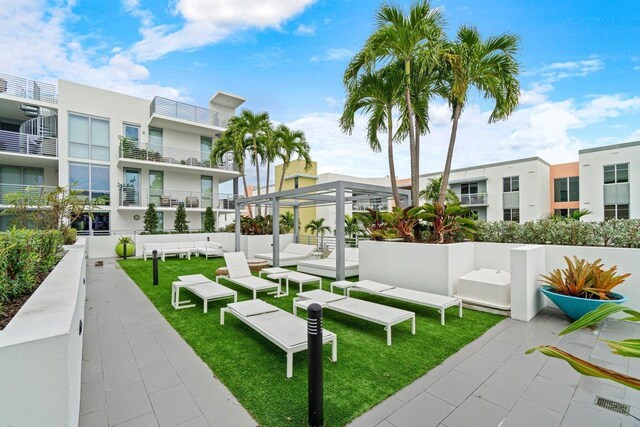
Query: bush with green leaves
[
  {"x": 180, "y": 224},
  {"x": 209, "y": 225},
  {"x": 26, "y": 258},
  {"x": 624, "y": 233},
  {"x": 151, "y": 219}
]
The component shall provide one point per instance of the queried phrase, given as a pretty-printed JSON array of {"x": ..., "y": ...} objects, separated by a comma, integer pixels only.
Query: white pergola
[{"x": 336, "y": 193}]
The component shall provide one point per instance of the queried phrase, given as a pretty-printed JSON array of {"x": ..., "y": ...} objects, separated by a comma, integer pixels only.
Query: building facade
[{"x": 72, "y": 135}]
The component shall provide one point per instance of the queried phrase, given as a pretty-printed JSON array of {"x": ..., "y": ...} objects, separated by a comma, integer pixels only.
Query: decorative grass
[{"x": 367, "y": 370}]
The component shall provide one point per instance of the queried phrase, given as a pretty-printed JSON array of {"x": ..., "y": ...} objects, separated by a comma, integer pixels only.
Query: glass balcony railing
[
  {"x": 28, "y": 89},
  {"x": 191, "y": 113},
  {"x": 171, "y": 155},
  {"x": 32, "y": 195},
  {"x": 474, "y": 199},
  {"x": 135, "y": 197}
]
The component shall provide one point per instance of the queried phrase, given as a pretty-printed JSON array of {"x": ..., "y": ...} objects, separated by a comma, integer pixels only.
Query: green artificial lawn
[{"x": 367, "y": 370}]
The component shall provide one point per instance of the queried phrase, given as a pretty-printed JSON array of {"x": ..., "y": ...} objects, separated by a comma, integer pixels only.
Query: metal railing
[
  {"x": 33, "y": 195},
  {"x": 474, "y": 199},
  {"x": 180, "y": 110},
  {"x": 134, "y": 197},
  {"x": 327, "y": 243},
  {"x": 363, "y": 206},
  {"x": 25, "y": 143},
  {"x": 167, "y": 154},
  {"x": 28, "y": 89}
]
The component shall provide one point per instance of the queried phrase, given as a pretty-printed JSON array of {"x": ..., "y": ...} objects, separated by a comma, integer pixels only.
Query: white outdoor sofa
[
  {"x": 240, "y": 274},
  {"x": 327, "y": 267},
  {"x": 207, "y": 249},
  {"x": 427, "y": 299},
  {"x": 201, "y": 286},
  {"x": 290, "y": 256},
  {"x": 370, "y": 311},
  {"x": 282, "y": 328}
]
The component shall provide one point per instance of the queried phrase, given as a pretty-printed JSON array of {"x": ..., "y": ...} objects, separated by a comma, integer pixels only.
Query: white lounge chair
[
  {"x": 327, "y": 267},
  {"x": 290, "y": 255},
  {"x": 440, "y": 302},
  {"x": 202, "y": 287},
  {"x": 148, "y": 248},
  {"x": 208, "y": 249},
  {"x": 370, "y": 311},
  {"x": 285, "y": 330},
  {"x": 240, "y": 274}
]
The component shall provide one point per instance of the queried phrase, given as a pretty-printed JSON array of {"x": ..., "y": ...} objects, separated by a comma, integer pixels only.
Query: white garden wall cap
[{"x": 49, "y": 311}]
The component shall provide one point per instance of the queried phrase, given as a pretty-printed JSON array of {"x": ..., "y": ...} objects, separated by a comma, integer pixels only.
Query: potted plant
[
  {"x": 582, "y": 287},
  {"x": 131, "y": 247}
]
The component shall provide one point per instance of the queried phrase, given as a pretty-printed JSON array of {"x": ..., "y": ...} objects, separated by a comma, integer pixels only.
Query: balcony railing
[
  {"x": 172, "y": 155},
  {"x": 180, "y": 110},
  {"x": 474, "y": 199},
  {"x": 24, "y": 143},
  {"x": 33, "y": 195},
  {"x": 363, "y": 206},
  {"x": 28, "y": 89},
  {"x": 134, "y": 197}
]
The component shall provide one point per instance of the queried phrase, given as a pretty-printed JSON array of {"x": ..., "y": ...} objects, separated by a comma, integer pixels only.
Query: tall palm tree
[
  {"x": 232, "y": 141},
  {"x": 254, "y": 126},
  {"x": 272, "y": 150},
  {"x": 491, "y": 67},
  {"x": 400, "y": 37},
  {"x": 351, "y": 225},
  {"x": 317, "y": 227},
  {"x": 291, "y": 143},
  {"x": 376, "y": 94},
  {"x": 431, "y": 192}
]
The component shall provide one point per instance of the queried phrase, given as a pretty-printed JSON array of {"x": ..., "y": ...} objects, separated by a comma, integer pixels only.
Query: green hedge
[
  {"x": 26, "y": 257},
  {"x": 623, "y": 233}
]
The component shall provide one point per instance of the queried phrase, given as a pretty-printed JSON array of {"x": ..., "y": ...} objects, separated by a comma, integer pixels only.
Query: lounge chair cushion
[
  {"x": 237, "y": 265},
  {"x": 252, "y": 307}
]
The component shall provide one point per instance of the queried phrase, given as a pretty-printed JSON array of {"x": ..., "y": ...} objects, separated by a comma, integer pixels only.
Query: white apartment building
[{"x": 70, "y": 134}]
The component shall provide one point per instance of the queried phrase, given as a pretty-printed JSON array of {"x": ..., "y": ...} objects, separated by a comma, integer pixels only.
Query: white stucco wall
[{"x": 41, "y": 351}]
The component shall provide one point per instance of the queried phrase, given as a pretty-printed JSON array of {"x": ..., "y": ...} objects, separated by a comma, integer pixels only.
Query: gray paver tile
[
  {"x": 94, "y": 419},
  {"x": 583, "y": 415},
  {"x": 196, "y": 422},
  {"x": 520, "y": 368},
  {"x": 416, "y": 387},
  {"x": 147, "y": 420},
  {"x": 377, "y": 413},
  {"x": 559, "y": 370},
  {"x": 499, "y": 350},
  {"x": 197, "y": 378},
  {"x": 454, "y": 387},
  {"x": 220, "y": 407},
  {"x": 150, "y": 355},
  {"x": 414, "y": 414},
  {"x": 128, "y": 402},
  {"x": 531, "y": 414},
  {"x": 385, "y": 423},
  {"x": 478, "y": 366},
  {"x": 159, "y": 376},
  {"x": 120, "y": 372},
  {"x": 550, "y": 394},
  {"x": 476, "y": 412},
  {"x": 174, "y": 405},
  {"x": 502, "y": 390},
  {"x": 92, "y": 396}
]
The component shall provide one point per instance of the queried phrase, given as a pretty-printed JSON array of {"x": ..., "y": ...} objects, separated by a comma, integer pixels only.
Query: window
[
  {"x": 564, "y": 212},
  {"x": 132, "y": 132},
  {"x": 205, "y": 148},
  {"x": 155, "y": 140},
  {"x": 206, "y": 188},
  {"x": 566, "y": 189},
  {"x": 616, "y": 211},
  {"x": 99, "y": 224},
  {"x": 512, "y": 215},
  {"x": 469, "y": 188},
  {"x": 510, "y": 183},
  {"x": 160, "y": 221},
  {"x": 88, "y": 137},
  {"x": 156, "y": 186},
  {"x": 92, "y": 180},
  {"x": 616, "y": 174}
]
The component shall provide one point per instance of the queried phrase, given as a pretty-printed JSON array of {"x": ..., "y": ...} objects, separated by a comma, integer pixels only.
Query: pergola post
[
  {"x": 340, "y": 261},
  {"x": 276, "y": 231},
  {"x": 296, "y": 224},
  {"x": 237, "y": 249}
]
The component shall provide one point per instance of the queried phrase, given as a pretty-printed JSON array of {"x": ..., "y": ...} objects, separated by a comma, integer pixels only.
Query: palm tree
[
  {"x": 351, "y": 226},
  {"x": 400, "y": 37},
  {"x": 317, "y": 227},
  {"x": 290, "y": 143},
  {"x": 376, "y": 94},
  {"x": 491, "y": 67},
  {"x": 287, "y": 221},
  {"x": 432, "y": 191},
  {"x": 232, "y": 141},
  {"x": 255, "y": 126},
  {"x": 272, "y": 151}
]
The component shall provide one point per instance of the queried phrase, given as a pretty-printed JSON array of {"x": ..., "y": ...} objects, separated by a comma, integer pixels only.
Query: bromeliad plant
[
  {"x": 374, "y": 225},
  {"x": 626, "y": 348},
  {"x": 402, "y": 222},
  {"x": 446, "y": 223},
  {"x": 584, "y": 279}
]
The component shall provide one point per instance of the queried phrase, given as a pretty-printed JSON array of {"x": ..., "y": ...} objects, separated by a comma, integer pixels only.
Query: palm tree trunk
[
  {"x": 392, "y": 166},
  {"x": 284, "y": 169},
  {"x": 447, "y": 166},
  {"x": 246, "y": 192},
  {"x": 412, "y": 134},
  {"x": 255, "y": 153},
  {"x": 268, "y": 173}
]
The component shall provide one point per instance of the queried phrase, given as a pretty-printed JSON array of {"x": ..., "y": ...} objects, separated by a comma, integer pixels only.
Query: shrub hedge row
[
  {"x": 26, "y": 257},
  {"x": 623, "y": 233}
]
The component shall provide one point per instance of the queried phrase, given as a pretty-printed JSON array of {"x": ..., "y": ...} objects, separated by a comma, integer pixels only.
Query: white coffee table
[
  {"x": 342, "y": 284},
  {"x": 272, "y": 270},
  {"x": 297, "y": 277}
]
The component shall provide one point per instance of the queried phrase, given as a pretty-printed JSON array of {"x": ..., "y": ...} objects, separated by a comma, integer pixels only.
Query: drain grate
[{"x": 612, "y": 405}]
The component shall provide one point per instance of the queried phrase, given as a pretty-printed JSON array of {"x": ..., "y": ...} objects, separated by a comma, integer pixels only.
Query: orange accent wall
[{"x": 562, "y": 170}]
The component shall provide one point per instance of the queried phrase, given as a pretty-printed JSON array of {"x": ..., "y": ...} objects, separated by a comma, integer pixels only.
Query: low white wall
[
  {"x": 41, "y": 350},
  {"x": 495, "y": 256},
  {"x": 527, "y": 264}
]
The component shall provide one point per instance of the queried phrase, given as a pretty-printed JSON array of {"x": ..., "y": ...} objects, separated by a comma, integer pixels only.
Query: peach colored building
[{"x": 564, "y": 188}]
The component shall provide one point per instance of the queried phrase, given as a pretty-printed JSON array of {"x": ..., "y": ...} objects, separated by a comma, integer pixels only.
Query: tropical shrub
[
  {"x": 180, "y": 223},
  {"x": 584, "y": 279},
  {"x": 375, "y": 227},
  {"x": 402, "y": 222},
  {"x": 151, "y": 219},
  {"x": 446, "y": 223},
  {"x": 209, "y": 225},
  {"x": 286, "y": 222}
]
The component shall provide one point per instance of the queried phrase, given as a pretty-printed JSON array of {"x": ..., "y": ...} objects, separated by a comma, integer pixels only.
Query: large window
[
  {"x": 616, "y": 211},
  {"x": 469, "y": 188},
  {"x": 160, "y": 216},
  {"x": 206, "y": 188},
  {"x": 92, "y": 180},
  {"x": 205, "y": 148},
  {"x": 564, "y": 212},
  {"x": 131, "y": 132},
  {"x": 566, "y": 189},
  {"x": 155, "y": 140},
  {"x": 16, "y": 179},
  {"x": 88, "y": 137},
  {"x": 512, "y": 215},
  {"x": 510, "y": 183},
  {"x": 156, "y": 186},
  {"x": 616, "y": 174},
  {"x": 99, "y": 225}
]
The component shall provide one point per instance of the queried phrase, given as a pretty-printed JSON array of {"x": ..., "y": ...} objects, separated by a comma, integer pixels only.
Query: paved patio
[{"x": 137, "y": 371}]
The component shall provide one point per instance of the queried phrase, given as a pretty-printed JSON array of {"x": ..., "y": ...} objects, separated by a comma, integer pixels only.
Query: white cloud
[
  {"x": 562, "y": 70},
  {"x": 209, "y": 21},
  {"x": 334, "y": 54},
  {"x": 134, "y": 8},
  {"x": 305, "y": 30}
]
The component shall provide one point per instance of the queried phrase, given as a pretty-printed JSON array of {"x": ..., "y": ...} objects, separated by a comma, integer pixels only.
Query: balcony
[
  {"x": 24, "y": 143},
  {"x": 474, "y": 199},
  {"x": 140, "y": 198},
  {"x": 190, "y": 113},
  {"x": 170, "y": 155},
  {"x": 33, "y": 195},
  {"x": 21, "y": 87}
]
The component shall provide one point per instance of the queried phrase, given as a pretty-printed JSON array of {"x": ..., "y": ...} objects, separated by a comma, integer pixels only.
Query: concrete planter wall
[{"x": 41, "y": 350}]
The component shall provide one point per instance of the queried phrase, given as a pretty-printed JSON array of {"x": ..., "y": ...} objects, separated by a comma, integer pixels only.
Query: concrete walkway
[
  {"x": 491, "y": 382},
  {"x": 137, "y": 371}
]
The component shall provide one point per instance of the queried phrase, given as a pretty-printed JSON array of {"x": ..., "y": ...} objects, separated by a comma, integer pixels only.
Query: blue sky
[{"x": 580, "y": 67}]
